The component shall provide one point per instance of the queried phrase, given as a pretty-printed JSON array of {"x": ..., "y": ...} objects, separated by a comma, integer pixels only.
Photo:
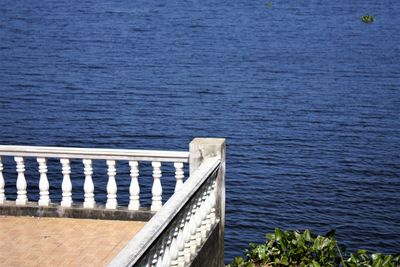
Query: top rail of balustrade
[{"x": 94, "y": 153}]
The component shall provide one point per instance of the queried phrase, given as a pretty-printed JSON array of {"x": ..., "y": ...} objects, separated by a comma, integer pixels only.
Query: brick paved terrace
[{"x": 39, "y": 241}]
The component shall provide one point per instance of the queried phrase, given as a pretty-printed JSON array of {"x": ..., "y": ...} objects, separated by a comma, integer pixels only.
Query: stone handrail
[
  {"x": 65, "y": 154},
  {"x": 94, "y": 153}
]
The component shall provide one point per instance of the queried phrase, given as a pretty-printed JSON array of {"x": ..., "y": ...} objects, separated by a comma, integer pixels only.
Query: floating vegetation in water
[
  {"x": 367, "y": 18},
  {"x": 269, "y": 4},
  {"x": 294, "y": 248}
]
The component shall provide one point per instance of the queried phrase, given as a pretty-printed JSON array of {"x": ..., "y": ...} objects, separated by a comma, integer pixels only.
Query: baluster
[
  {"x": 134, "y": 189},
  {"x": 44, "y": 199},
  {"x": 160, "y": 254},
  {"x": 198, "y": 219},
  {"x": 151, "y": 258},
  {"x": 193, "y": 230},
  {"x": 156, "y": 190},
  {"x": 22, "y": 199},
  {"x": 178, "y": 175},
  {"x": 209, "y": 209},
  {"x": 88, "y": 186},
  {"x": 187, "y": 238},
  {"x": 180, "y": 240},
  {"x": 111, "y": 186},
  {"x": 174, "y": 248},
  {"x": 174, "y": 252},
  {"x": 213, "y": 201},
  {"x": 66, "y": 185},
  {"x": 204, "y": 212},
  {"x": 159, "y": 261},
  {"x": 166, "y": 257},
  {"x": 213, "y": 217},
  {"x": 2, "y": 192}
]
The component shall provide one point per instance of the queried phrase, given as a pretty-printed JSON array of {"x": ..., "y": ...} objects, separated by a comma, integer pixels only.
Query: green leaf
[
  {"x": 378, "y": 263},
  {"x": 278, "y": 234},
  {"x": 315, "y": 264},
  {"x": 238, "y": 260},
  {"x": 375, "y": 256},
  {"x": 261, "y": 252},
  {"x": 284, "y": 261},
  {"x": 361, "y": 252},
  {"x": 307, "y": 236},
  {"x": 297, "y": 235},
  {"x": 387, "y": 259},
  {"x": 353, "y": 259},
  {"x": 325, "y": 243},
  {"x": 331, "y": 234},
  {"x": 270, "y": 236}
]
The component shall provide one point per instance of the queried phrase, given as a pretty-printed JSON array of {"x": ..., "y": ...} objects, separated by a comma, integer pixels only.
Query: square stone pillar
[{"x": 201, "y": 149}]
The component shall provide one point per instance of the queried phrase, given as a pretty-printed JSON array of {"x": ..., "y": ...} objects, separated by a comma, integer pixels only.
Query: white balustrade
[
  {"x": 134, "y": 189},
  {"x": 89, "y": 200},
  {"x": 111, "y": 186},
  {"x": 2, "y": 185},
  {"x": 44, "y": 199},
  {"x": 88, "y": 186},
  {"x": 87, "y": 155},
  {"x": 66, "y": 185},
  {"x": 178, "y": 231},
  {"x": 22, "y": 198},
  {"x": 156, "y": 189},
  {"x": 181, "y": 242},
  {"x": 179, "y": 174}
]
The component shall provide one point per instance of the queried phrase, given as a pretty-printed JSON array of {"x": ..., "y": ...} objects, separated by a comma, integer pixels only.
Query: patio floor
[{"x": 32, "y": 241}]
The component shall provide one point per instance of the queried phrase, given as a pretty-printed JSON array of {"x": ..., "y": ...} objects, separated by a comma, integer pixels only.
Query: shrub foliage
[{"x": 303, "y": 249}]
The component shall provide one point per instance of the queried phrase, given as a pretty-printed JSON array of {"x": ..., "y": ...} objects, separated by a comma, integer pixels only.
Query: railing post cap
[
  {"x": 208, "y": 147},
  {"x": 209, "y": 141},
  {"x": 202, "y": 148}
]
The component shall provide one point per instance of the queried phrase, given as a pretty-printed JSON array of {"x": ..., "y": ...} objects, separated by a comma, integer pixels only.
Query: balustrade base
[{"x": 9, "y": 208}]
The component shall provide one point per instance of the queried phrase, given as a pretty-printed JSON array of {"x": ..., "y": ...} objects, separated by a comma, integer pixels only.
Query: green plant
[
  {"x": 303, "y": 249},
  {"x": 367, "y": 18}
]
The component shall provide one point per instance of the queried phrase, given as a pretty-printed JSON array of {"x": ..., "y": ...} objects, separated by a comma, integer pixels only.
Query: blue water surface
[{"x": 306, "y": 94}]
